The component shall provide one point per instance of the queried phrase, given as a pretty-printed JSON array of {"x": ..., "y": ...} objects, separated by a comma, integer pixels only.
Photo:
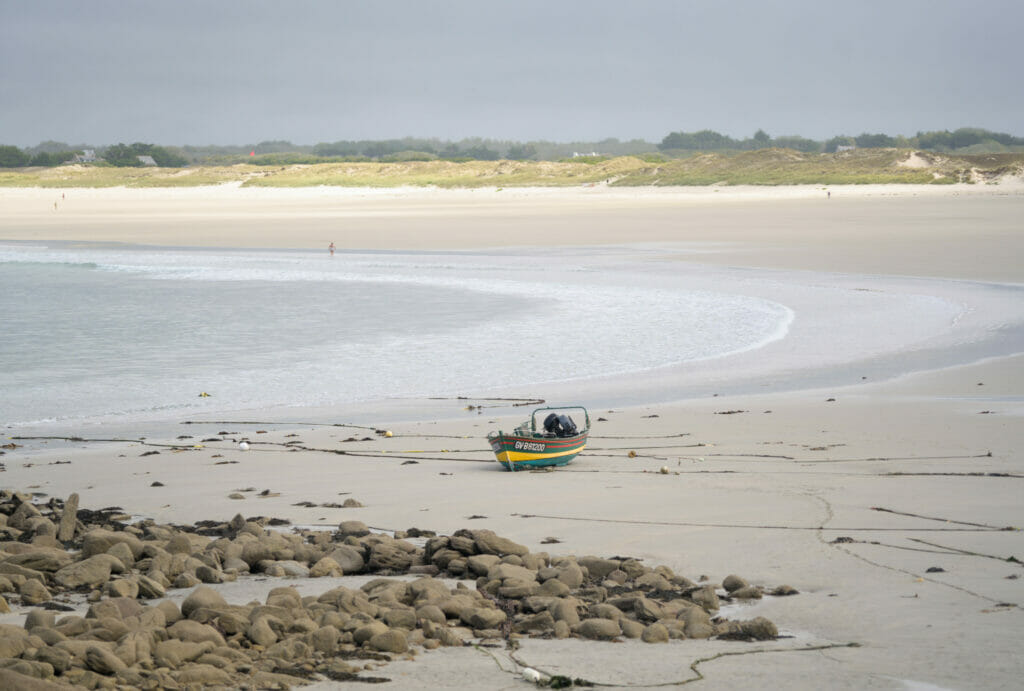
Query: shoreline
[{"x": 933, "y": 324}]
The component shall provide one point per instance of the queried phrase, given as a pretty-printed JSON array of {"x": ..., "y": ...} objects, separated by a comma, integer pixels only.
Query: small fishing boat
[{"x": 556, "y": 442}]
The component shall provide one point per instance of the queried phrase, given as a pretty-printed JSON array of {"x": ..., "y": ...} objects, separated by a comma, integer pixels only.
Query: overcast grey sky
[{"x": 231, "y": 72}]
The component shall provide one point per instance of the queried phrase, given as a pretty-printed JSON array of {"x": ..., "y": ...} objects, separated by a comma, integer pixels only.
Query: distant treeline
[
  {"x": 51, "y": 153},
  {"x": 966, "y": 140},
  {"x": 423, "y": 149}
]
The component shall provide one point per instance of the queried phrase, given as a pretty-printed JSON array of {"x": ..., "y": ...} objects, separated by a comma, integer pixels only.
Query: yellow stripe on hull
[{"x": 521, "y": 456}]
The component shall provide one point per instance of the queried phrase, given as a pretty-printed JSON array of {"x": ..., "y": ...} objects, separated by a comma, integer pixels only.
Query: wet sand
[{"x": 913, "y": 472}]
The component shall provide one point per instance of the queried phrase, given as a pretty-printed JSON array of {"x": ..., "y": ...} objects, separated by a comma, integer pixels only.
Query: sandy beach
[{"x": 890, "y": 501}]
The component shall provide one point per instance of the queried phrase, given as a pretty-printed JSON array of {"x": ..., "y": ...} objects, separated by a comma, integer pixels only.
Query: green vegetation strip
[{"x": 761, "y": 167}]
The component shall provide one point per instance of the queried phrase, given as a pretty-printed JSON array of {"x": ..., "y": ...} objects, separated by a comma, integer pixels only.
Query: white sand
[
  {"x": 766, "y": 495},
  {"x": 891, "y": 229}
]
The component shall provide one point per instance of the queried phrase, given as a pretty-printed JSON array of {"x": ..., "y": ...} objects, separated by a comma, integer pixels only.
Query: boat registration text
[{"x": 529, "y": 446}]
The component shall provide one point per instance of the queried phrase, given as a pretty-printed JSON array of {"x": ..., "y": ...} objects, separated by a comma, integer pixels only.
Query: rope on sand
[
  {"x": 741, "y": 526},
  {"x": 566, "y": 681}
]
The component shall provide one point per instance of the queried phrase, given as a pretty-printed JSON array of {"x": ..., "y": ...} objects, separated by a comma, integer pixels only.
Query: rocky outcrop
[{"x": 131, "y": 637}]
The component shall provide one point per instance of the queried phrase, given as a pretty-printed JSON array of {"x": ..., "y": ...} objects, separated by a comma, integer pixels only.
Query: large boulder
[
  {"x": 427, "y": 590},
  {"x": 14, "y": 640},
  {"x": 400, "y": 617},
  {"x": 25, "y": 511},
  {"x": 202, "y": 597},
  {"x": 390, "y": 641},
  {"x": 655, "y": 633},
  {"x": 325, "y": 567},
  {"x": 170, "y": 611},
  {"x": 553, "y": 588},
  {"x": 463, "y": 544},
  {"x": 565, "y": 610},
  {"x": 487, "y": 542},
  {"x": 115, "y": 607},
  {"x": 179, "y": 544},
  {"x": 603, "y": 610},
  {"x": 348, "y": 558},
  {"x": 284, "y": 596},
  {"x": 540, "y": 622},
  {"x": 652, "y": 581},
  {"x": 431, "y": 613},
  {"x": 194, "y": 632},
  {"x": 697, "y": 623},
  {"x": 149, "y": 588},
  {"x": 483, "y": 617},
  {"x": 324, "y": 640},
  {"x": 267, "y": 547},
  {"x": 353, "y": 528},
  {"x": 13, "y": 570},
  {"x": 571, "y": 574},
  {"x": 504, "y": 572},
  {"x": 201, "y": 675},
  {"x": 760, "y": 629},
  {"x": 480, "y": 564},
  {"x": 517, "y": 588},
  {"x": 173, "y": 653},
  {"x": 91, "y": 572},
  {"x": 451, "y": 637},
  {"x": 388, "y": 556},
  {"x": 98, "y": 541},
  {"x": 599, "y": 629},
  {"x": 40, "y": 617},
  {"x": 647, "y": 610},
  {"x": 41, "y": 559},
  {"x": 121, "y": 587},
  {"x": 33, "y": 592},
  {"x": 747, "y": 592},
  {"x": 103, "y": 661},
  {"x": 597, "y": 567},
  {"x": 261, "y": 633},
  {"x": 292, "y": 569},
  {"x": 124, "y": 554},
  {"x": 706, "y": 597},
  {"x": 68, "y": 519},
  {"x": 733, "y": 582},
  {"x": 12, "y": 679},
  {"x": 368, "y": 631},
  {"x": 59, "y": 660}
]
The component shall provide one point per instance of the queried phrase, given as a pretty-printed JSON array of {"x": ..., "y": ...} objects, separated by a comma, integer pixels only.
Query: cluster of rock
[{"x": 132, "y": 636}]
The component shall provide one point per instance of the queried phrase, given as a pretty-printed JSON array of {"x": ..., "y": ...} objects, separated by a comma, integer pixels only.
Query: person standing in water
[{"x": 331, "y": 248}]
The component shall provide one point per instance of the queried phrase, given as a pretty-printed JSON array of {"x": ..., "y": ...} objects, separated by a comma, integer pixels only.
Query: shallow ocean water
[
  {"x": 99, "y": 334},
  {"x": 116, "y": 336}
]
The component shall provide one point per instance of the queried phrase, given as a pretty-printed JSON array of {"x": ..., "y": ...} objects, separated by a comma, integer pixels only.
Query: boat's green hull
[{"x": 516, "y": 452}]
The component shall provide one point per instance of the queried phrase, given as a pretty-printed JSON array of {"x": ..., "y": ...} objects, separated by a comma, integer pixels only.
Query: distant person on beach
[{"x": 331, "y": 248}]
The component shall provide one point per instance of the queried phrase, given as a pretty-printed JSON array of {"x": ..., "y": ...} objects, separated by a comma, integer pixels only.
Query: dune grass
[
  {"x": 104, "y": 176},
  {"x": 783, "y": 167},
  {"x": 762, "y": 167}
]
